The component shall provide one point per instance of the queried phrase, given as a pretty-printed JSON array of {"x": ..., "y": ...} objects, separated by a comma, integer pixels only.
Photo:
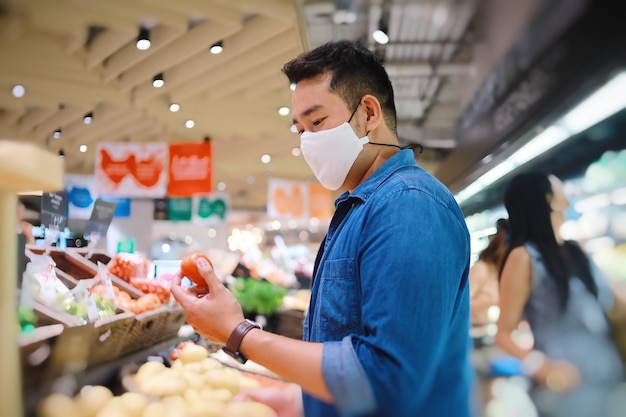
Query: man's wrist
[{"x": 233, "y": 344}]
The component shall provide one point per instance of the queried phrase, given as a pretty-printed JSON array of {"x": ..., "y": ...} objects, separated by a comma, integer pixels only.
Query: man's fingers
[
  {"x": 207, "y": 272},
  {"x": 177, "y": 291}
]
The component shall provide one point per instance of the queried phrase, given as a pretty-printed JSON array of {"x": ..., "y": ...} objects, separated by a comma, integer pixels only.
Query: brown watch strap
[{"x": 234, "y": 341}]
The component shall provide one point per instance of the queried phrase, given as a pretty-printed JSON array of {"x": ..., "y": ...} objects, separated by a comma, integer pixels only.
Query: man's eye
[{"x": 317, "y": 122}]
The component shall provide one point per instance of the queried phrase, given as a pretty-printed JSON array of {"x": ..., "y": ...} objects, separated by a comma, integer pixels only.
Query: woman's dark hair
[
  {"x": 492, "y": 253},
  {"x": 356, "y": 71},
  {"x": 526, "y": 201}
]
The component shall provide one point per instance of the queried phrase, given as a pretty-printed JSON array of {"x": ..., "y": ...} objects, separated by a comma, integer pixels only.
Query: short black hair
[{"x": 356, "y": 71}]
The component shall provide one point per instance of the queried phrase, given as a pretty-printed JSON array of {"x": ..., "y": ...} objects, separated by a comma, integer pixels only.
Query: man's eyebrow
[{"x": 308, "y": 112}]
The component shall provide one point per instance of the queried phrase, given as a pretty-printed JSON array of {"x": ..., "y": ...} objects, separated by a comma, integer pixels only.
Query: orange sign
[
  {"x": 131, "y": 170},
  {"x": 321, "y": 203},
  {"x": 190, "y": 169}
]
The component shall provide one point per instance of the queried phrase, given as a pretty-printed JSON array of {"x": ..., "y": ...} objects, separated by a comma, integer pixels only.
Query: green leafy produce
[{"x": 256, "y": 296}]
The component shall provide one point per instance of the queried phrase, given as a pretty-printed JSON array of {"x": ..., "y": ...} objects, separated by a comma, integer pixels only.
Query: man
[{"x": 386, "y": 333}]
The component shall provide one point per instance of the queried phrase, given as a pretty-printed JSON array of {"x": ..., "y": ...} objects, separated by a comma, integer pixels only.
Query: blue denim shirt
[{"x": 390, "y": 300}]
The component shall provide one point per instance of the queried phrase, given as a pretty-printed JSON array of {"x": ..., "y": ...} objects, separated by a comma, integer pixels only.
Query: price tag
[
  {"x": 100, "y": 218},
  {"x": 54, "y": 210}
]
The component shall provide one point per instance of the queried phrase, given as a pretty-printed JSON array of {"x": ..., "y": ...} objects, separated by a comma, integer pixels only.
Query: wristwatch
[{"x": 234, "y": 341}]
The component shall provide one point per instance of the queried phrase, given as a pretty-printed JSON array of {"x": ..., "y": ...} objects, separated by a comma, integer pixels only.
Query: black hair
[
  {"x": 526, "y": 201},
  {"x": 356, "y": 71},
  {"x": 493, "y": 252}
]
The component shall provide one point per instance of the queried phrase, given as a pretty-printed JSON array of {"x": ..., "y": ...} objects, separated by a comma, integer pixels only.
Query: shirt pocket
[{"x": 339, "y": 298}]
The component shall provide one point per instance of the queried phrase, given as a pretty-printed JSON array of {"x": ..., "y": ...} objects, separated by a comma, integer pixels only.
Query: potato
[
  {"x": 92, "y": 399},
  {"x": 216, "y": 394},
  {"x": 195, "y": 367},
  {"x": 134, "y": 403},
  {"x": 155, "y": 410},
  {"x": 114, "y": 408},
  {"x": 148, "y": 371},
  {"x": 211, "y": 363},
  {"x": 57, "y": 405},
  {"x": 193, "y": 353},
  {"x": 165, "y": 386},
  {"x": 221, "y": 378},
  {"x": 206, "y": 409}
]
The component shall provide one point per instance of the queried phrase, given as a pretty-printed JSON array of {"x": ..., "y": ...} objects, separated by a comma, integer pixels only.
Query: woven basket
[{"x": 147, "y": 330}]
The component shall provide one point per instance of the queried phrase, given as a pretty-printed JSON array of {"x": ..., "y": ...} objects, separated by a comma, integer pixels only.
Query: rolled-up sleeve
[{"x": 346, "y": 379}]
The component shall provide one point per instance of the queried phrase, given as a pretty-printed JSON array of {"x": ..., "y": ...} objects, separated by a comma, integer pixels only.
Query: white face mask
[{"x": 330, "y": 153}]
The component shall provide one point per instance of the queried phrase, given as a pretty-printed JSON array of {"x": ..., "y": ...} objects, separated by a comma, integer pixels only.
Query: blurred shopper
[
  {"x": 484, "y": 275},
  {"x": 387, "y": 328},
  {"x": 23, "y": 226},
  {"x": 564, "y": 297}
]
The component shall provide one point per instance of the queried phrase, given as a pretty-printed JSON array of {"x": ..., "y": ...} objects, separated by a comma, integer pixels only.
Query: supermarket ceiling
[{"x": 79, "y": 57}]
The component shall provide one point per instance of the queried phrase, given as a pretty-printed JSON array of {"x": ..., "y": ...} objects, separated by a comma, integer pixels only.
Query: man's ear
[{"x": 374, "y": 112}]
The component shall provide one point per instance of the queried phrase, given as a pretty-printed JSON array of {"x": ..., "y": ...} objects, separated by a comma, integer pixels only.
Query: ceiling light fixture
[
  {"x": 18, "y": 90},
  {"x": 283, "y": 110},
  {"x": 143, "y": 39},
  {"x": 57, "y": 134},
  {"x": 158, "y": 81},
  {"x": 174, "y": 107},
  {"x": 88, "y": 118},
  {"x": 266, "y": 159},
  {"x": 207, "y": 138},
  {"x": 292, "y": 86},
  {"x": 381, "y": 35},
  {"x": 293, "y": 128},
  {"x": 189, "y": 124},
  {"x": 600, "y": 105},
  {"x": 83, "y": 148},
  {"x": 217, "y": 48},
  {"x": 61, "y": 154}
]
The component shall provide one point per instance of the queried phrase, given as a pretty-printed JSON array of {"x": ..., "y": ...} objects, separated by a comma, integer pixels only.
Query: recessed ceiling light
[
  {"x": 143, "y": 39},
  {"x": 221, "y": 185},
  {"x": 380, "y": 37},
  {"x": 296, "y": 152},
  {"x": 217, "y": 48},
  {"x": 56, "y": 134},
  {"x": 157, "y": 81},
  {"x": 292, "y": 86},
  {"x": 283, "y": 111},
  {"x": 174, "y": 107},
  {"x": 83, "y": 148},
  {"x": 266, "y": 159},
  {"x": 189, "y": 124},
  {"x": 250, "y": 180},
  {"x": 18, "y": 90},
  {"x": 88, "y": 118},
  {"x": 293, "y": 128}
]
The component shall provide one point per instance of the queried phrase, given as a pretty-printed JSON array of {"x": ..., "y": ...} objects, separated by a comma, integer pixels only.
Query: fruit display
[{"x": 128, "y": 265}]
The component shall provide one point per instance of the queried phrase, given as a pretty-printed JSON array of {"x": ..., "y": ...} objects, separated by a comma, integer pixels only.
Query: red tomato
[{"x": 190, "y": 270}]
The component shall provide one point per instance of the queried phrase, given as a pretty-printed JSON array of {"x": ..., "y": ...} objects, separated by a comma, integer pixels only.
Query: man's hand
[
  {"x": 211, "y": 309},
  {"x": 286, "y": 402}
]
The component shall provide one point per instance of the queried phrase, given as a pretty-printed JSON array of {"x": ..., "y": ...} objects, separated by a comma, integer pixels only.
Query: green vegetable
[{"x": 256, "y": 296}]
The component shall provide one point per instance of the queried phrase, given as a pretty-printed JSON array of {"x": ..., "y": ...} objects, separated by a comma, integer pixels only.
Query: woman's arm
[{"x": 515, "y": 285}]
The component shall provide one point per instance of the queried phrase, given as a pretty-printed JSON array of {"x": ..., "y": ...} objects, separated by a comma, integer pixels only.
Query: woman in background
[
  {"x": 552, "y": 284},
  {"x": 484, "y": 274}
]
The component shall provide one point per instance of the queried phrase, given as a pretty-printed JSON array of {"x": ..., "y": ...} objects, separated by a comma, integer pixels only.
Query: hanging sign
[
  {"x": 100, "y": 219},
  {"x": 210, "y": 209},
  {"x": 286, "y": 199},
  {"x": 190, "y": 169},
  {"x": 131, "y": 169},
  {"x": 81, "y": 195},
  {"x": 179, "y": 209},
  {"x": 54, "y": 210}
]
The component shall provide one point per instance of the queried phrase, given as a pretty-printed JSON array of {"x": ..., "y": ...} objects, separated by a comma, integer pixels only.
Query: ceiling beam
[
  {"x": 198, "y": 38},
  {"x": 62, "y": 118},
  {"x": 106, "y": 43},
  {"x": 279, "y": 51},
  {"x": 129, "y": 56},
  {"x": 255, "y": 32},
  {"x": 269, "y": 83},
  {"x": 34, "y": 117},
  {"x": 280, "y": 9},
  {"x": 403, "y": 69}
]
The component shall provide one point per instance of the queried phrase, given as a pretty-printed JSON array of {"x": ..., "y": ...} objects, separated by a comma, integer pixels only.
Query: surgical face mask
[{"x": 331, "y": 153}]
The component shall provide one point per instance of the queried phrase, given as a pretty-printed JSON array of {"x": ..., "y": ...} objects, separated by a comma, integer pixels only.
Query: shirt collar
[{"x": 401, "y": 159}]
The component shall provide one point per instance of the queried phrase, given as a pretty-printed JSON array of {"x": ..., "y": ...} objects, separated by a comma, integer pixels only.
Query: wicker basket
[
  {"x": 109, "y": 338},
  {"x": 147, "y": 330},
  {"x": 175, "y": 319},
  {"x": 35, "y": 354}
]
